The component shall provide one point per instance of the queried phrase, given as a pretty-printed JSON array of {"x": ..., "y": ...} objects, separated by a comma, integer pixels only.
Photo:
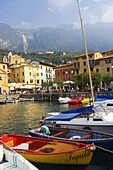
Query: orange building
[{"x": 64, "y": 72}]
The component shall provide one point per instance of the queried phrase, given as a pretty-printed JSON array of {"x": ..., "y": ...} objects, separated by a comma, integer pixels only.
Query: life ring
[{"x": 75, "y": 137}]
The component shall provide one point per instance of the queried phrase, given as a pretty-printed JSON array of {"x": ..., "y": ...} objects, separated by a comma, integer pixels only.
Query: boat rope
[{"x": 104, "y": 149}]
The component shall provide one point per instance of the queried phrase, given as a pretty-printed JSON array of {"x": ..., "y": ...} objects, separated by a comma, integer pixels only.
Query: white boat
[
  {"x": 64, "y": 100},
  {"x": 13, "y": 161},
  {"x": 101, "y": 119}
]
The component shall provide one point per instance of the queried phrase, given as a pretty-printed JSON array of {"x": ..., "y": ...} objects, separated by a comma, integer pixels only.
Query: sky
[{"x": 30, "y": 14}]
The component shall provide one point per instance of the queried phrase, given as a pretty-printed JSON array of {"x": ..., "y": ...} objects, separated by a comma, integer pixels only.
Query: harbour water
[{"x": 19, "y": 118}]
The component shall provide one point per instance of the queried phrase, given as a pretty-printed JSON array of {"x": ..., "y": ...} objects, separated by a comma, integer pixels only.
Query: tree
[{"x": 107, "y": 78}]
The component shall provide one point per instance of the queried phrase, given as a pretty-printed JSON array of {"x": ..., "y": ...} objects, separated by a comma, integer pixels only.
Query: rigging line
[{"x": 104, "y": 149}]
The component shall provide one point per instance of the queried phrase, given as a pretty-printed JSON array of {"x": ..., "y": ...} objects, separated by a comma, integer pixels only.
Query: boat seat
[
  {"x": 86, "y": 136},
  {"x": 60, "y": 133}
]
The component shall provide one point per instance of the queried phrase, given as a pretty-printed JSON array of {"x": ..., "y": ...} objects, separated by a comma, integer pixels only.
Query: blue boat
[
  {"x": 105, "y": 96},
  {"x": 100, "y": 139},
  {"x": 3, "y": 102}
]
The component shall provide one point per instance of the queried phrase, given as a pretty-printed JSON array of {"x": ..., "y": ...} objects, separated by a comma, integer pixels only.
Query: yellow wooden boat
[
  {"x": 50, "y": 151},
  {"x": 86, "y": 100}
]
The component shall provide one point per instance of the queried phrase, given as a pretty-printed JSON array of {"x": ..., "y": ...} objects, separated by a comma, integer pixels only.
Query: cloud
[
  {"x": 60, "y": 4},
  {"x": 26, "y": 24},
  {"x": 50, "y": 9},
  {"x": 107, "y": 14}
]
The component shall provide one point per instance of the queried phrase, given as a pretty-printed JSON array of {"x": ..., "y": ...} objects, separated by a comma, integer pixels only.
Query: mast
[{"x": 86, "y": 53}]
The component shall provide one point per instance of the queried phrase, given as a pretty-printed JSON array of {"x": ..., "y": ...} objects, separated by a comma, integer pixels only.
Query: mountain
[{"x": 61, "y": 38}]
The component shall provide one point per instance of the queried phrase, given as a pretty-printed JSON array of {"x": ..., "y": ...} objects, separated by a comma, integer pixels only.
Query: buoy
[{"x": 75, "y": 137}]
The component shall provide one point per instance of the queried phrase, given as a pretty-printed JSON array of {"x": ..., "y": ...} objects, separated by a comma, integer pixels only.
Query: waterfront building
[
  {"x": 26, "y": 74},
  {"x": 80, "y": 62},
  {"x": 47, "y": 71},
  {"x": 3, "y": 78},
  {"x": 64, "y": 72},
  {"x": 13, "y": 59},
  {"x": 107, "y": 53},
  {"x": 97, "y": 61}
]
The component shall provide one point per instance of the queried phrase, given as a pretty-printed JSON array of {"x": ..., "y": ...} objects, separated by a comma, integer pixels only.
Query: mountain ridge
[{"x": 64, "y": 37}]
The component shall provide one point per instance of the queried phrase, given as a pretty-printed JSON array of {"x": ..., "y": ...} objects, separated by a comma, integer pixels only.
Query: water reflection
[{"x": 19, "y": 118}]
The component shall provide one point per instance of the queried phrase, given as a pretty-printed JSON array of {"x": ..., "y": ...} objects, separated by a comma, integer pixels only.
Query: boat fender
[{"x": 75, "y": 137}]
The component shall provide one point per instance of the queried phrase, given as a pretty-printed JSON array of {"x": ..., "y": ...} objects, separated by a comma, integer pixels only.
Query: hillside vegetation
[{"x": 56, "y": 58}]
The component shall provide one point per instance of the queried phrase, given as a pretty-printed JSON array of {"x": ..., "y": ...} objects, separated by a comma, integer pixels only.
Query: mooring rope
[{"x": 104, "y": 149}]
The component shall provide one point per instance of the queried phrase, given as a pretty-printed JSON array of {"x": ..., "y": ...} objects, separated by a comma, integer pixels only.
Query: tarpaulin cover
[
  {"x": 82, "y": 109},
  {"x": 63, "y": 117}
]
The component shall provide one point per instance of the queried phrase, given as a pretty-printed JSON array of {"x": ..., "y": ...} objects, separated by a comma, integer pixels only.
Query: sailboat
[{"x": 101, "y": 118}]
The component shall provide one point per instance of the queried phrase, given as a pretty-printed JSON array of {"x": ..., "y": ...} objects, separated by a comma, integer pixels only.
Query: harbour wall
[{"x": 52, "y": 96}]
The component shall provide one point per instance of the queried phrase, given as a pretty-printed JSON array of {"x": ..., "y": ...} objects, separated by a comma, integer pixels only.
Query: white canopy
[{"x": 69, "y": 82}]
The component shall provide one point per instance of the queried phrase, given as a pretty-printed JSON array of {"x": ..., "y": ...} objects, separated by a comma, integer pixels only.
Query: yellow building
[
  {"x": 80, "y": 62},
  {"x": 3, "y": 77},
  {"x": 27, "y": 74},
  {"x": 107, "y": 53}
]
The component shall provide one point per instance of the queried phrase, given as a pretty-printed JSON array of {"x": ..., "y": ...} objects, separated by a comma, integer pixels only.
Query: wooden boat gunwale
[
  {"x": 108, "y": 136},
  {"x": 83, "y": 146}
]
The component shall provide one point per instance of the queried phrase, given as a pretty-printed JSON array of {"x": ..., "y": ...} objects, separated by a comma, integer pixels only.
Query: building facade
[
  {"x": 27, "y": 74},
  {"x": 64, "y": 72},
  {"x": 3, "y": 78},
  {"x": 47, "y": 71},
  {"x": 80, "y": 62}
]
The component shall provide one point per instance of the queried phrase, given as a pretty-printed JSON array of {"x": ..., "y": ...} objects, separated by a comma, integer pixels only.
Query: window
[
  {"x": 15, "y": 61},
  {"x": 17, "y": 74},
  {"x": 3, "y": 66},
  {"x": 46, "y": 75},
  {"x": 97, "y": 63},
  {"x": 23, "y": 81},
  {"x": 27, "y": 82},
  {"x": 46, "y": 68},
  {"x": 85, "y": 70},
  {"x": 107, "y": 61},
  {"x": 49, "y": 76},
  {"x": 37, "y": 74},
  {"x": 77, "y": 71},
  {"x": 63, "y": 72},
  {"x": 58, "y": 73},
  {"x": 91, "y": 69},
  {"x": 22, "y": 73},
  {"x": 31, "y": 80},
  {"x": 63, "y": 78},
  {"x": 41, "y": 74},
  {"x": 69, "y": 72},
  {"x": 30, "y": 73},
  {"x": 90, "y": 56},
  {"x": 97, "y": 70},
  {"x": 84, "y": 63},
  {"x": 41, "y": 67},
  {"x": 37, "y": 81},
  {"x": 108, "y": 69},
  {"x": 42, "y": 81}
]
